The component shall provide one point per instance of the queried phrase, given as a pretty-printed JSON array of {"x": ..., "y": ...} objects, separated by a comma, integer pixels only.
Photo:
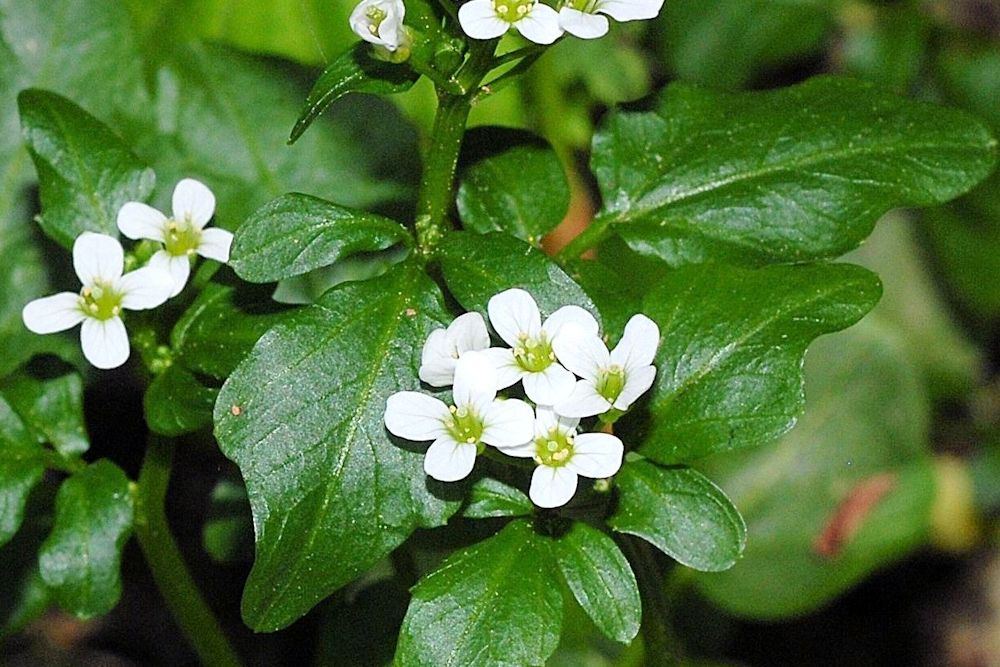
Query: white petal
[
  {"x": 630, "y": 10},
  {"x": 415, "y": 416},
  {"x": 583, "y": 24},
  {"x": 550, "y": 386},
  {"x": 215, "y": 244},
  {"x": 583, "y": 401},
  {"x": 638, "y": 344},
  {"x": 141, "y": 221},
  {"x": 583, "y": 353},
  {"x": 540, "y": 25},
  {"x": 475, "y": 382},
  {"x": 145, "y": 288},
  {"x": 53, "y": 313},
  {"x": 468, "y": 332},
  {"x": 480, "y": 21},
  {"x": 391, "y": 28},
  {"x": 177, "y": 267},
  {"x": 637, "y": 381},
  {"x": 508, "y": 423},
  {"x": 514, "y": 312},
  {"x": 576, "y": 315},
  {"x": 437, "y": 366},
  {"x": 523, "y": 451},
  {"x": 547, "y": 419},
  {"x": 596, "y": 455},
  {"x": 104, "y": 342},
  {"x": 449, "y": 461},
  {"x": 193, "y": 201},
  {"x": 390, "y": 34},
  {"x": 98, "y": 257},
  {"x": 508, "y": 372},
  {"x": 552, "y": 487}
]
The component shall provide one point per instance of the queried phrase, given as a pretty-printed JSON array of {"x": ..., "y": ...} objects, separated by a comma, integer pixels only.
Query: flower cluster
[
  {"x": 99, "y": 261},
  {"x": 567, "y": 374}
]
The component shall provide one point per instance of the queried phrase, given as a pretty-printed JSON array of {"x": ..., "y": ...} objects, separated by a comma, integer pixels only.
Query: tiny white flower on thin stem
[
  {"x": 516, "y": 318},
  {"x": 563, "y": 455},
  {"x": 99, "y": 262},
  {"x": 184, "y": 235},
  {"x": 460, "y": 431},
  {"x": 380, "y": 22},
  {"x": 445, "y": 346},
  {"x": 610, "y": 379},
  {"x": 582, "y": 17},
  {"x": 487, "y": 19}
]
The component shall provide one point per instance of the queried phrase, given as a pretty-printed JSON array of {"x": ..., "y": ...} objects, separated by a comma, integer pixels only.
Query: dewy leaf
[
  {"x": 789, "y": 175},
  {"x": 680, "y": 512},
  {"x": 521, "y": 190},
  {"x": 477, "y": 266},
  {"x": 85, "y": 172},
  {"x": 331, "y": 493},
  {"x": 80, "y": 559},
  {"x": 51, "y": 408},
  {"x": 729, "y": 365},
  {"x": 21, "y": 468},
  {"x": 297, "y": 233},
  {"x": 354, "y": 71},
  {"x": 491, "y": 498},
  {"x": 493, "y": 604},
  {"x": 177, "y": 403},
  {"x": 597, "y": 572}
]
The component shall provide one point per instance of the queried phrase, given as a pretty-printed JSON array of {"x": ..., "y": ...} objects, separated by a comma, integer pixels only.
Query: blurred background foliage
[{"x": 872, "y": 533}]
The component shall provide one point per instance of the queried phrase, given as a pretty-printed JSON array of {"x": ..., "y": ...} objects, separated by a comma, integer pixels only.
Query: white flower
[
  {"x": 486, "y": 19},
  {"x": 515, "y": 316},
  {"x": 99, "y": 261},
  {"x": 562, "y": 455},
  {"x": 459, "y": 431},
  {"x": 183, "y": 235},
  {"x": 380, "y": 22},
  {"x": 580, "y": 17},
  {"x": 444, "y": 347},
  {"x": 610, "y": 380}
]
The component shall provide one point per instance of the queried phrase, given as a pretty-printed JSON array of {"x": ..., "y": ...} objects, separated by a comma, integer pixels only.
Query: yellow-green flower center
[
  {"x": 610, "y": 382},
  {"x": 534, "y": 355},
  {"x": 512, "y": 10},
  {"x": 555, "y": 449},
  {"x": 465, "y": 425},
  {"x": 100, "y": 301},
  {"x": 181, "y": 238},
  {"x": 375, "y": 16}
]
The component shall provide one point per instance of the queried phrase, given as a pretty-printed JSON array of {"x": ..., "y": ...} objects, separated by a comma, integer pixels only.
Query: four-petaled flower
[
  {"x": 380, "y": 22},
  {"x": 460, "y": 431},
  {"x": 99, "y": 261},
  {"x": 610, "y": 379},
  {"x": 562, "y": 455},
  {"x": 487, "y": 19},
  {"x": 444, "y": 347},
  {"x": 581, "y": 18},
  {"x": 516, "y": 319},
  {"x": 183, "y": 236}
]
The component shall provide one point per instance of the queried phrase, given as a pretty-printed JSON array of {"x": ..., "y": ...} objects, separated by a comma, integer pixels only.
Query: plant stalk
[{"x": 661, "y": 647}]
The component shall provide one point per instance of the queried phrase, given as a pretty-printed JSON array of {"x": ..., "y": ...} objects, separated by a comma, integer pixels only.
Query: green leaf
[
  {"x": 789, "y": 175},
  {"x": 177, "y": 403},
  {"x": 477, "y": 266},
  {"x": 596, "y": 571},
  {"x": 296, "y": 233},
  {"x": 729, "y": 366},
  {"x": 354, "y": 71},
  {"x": 857, "y": 458},
  {"x": 85, "y": 171},
  {"x": 21, "y": 468},
  {"x": 521, "y": 190},
  {"x": 887, "y": 46},
  {"x": 682, "y": 513},
  {"x": 80, "y": 560},
  {"x": 331, "y": 493},
  {"x": 51, "y": 408},
  {"x": 492, "y": 604},
  {"x": 490, "y": 498},
  {"x": 228, "y": 532},
  {"x": 23, "y": 595}
]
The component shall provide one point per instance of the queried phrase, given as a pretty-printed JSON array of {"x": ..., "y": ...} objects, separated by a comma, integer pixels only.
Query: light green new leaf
[
  {"x": 80, "y": 559},
  {"x": 85, "y": 172},
  {"x": 601, "y": 579},
  {"x": 51, "y": 408},
  {"x": 297, "y": 233},
  {"x": 679, "y": 511},
  {"x": 302, "y": 416},
  {"x": 490, "y": 498},
  {"x": 789, "y": 175},
  {"x": 729, "y": 365},
  {"x": 21, "y": 468},
  {"x": 177, "y": 403},
  {"x": 494, "y": 604}
]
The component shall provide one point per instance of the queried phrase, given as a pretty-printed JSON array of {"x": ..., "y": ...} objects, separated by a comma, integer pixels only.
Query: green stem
[
  {"x": 169, "y": 570},
  {"x": 661, "y": 648},
  {"x": 587, "y": 239}
]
